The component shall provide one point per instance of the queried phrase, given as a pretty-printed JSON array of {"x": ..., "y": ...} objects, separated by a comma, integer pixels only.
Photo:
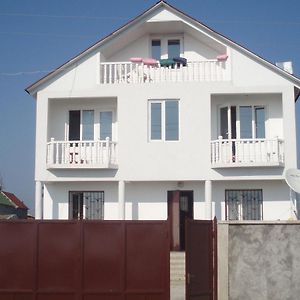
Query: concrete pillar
[
  {"x": 208, "y": 199},
  {"x": 121, "y": 188},
  {"x": 38, "y": 200}
]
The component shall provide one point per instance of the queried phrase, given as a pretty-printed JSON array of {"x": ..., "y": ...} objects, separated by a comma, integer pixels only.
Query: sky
[{"x": 36, "y": 36}]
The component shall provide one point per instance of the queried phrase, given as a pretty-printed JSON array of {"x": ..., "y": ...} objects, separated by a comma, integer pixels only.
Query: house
[
  {"x": 11, "y": 207},
  {"x": 165, "y": 118}
]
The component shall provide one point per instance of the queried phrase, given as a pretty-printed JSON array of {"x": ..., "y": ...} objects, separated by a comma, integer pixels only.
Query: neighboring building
[
  {"x": 11, "y": 207},
  {"x": 120, "y": 137}
]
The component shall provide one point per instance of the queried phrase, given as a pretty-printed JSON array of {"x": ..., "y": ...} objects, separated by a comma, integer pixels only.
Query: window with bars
[
  {"x": 244, "y": 204},
  {"x": 86, "y": 205}
]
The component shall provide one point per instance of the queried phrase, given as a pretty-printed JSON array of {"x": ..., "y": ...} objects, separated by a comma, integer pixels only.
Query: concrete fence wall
[{"x": 259, "y": 260}]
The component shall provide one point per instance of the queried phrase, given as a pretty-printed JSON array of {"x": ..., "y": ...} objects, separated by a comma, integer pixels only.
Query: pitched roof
[
  {"x": 11, "y": 200},
  {"x": 295, "y": 80}
]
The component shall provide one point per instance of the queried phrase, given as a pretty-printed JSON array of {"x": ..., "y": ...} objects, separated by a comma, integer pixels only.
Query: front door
[{"x": 180, "y": 208}]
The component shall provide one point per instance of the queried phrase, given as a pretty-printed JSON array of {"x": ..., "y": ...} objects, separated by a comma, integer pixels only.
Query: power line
[
  {"x": 48, "y": 34},
  {"x": 123, "y": 18},
  {"x": 61, "y": 16}
]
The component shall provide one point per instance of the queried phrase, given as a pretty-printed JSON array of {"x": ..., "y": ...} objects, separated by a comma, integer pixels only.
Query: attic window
[
  {"x": 156, "y": 49},
  {"x": 173, "y": 48}
]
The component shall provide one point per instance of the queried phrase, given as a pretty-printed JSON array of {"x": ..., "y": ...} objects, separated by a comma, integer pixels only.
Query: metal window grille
[
  {"x": 86, "y": 205},
  {"x": 244, "y": 204}
]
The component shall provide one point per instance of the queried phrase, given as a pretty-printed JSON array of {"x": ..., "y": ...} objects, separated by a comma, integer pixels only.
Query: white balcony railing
[
  {"x": 247, "y": 152},
  {"x": 129, "y": 72},
  {"x": 81, "y": 154}
]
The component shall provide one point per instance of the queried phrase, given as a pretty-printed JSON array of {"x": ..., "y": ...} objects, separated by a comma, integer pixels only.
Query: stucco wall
[
  {"x": 144, "y": 201},
  {"x": 148, "y": 200},
  {"x": 263, "y": 261}
]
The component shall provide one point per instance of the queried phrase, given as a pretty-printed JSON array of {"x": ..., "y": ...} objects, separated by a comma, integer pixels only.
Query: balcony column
[
  {"x": 121, "y": 196},
  {"x": 38, "y": 201},
  {"x": 208, "y": 199}
]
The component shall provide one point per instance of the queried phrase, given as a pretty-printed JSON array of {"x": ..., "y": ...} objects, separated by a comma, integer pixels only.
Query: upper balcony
[
  {"x": 226, "y": 153},
  {"x": 214, "y": 70},
  {"x": 82, "y": 154}
]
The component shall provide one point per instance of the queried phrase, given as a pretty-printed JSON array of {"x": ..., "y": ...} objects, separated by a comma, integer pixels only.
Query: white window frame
[
  {"x": 238, "y": 122},
  {"x": 163, "y": 119},
  {"x": 67, "y": 124},
  {"x": 96, "y": 122},
  {"x": 113, "y": 123},
  {"x": 164, "y": 44}
]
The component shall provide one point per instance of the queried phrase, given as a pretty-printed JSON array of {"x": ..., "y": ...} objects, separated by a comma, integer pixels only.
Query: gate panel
[
  {"x": 103, "y": 257},
  {"x": 199, "y": 260},
  {"x": 57, "y": 296},
  {"x": 17, "y": 256},
  {"x": 59, "y": 252},
  {"x": 142, "y": 266},
  {"x": 84, "y": 260}
]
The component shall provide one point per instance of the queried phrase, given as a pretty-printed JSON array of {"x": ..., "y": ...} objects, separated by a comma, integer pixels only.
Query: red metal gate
[
  {"x": 201, "y": 260},
  {"x": 86, "y": 260}
]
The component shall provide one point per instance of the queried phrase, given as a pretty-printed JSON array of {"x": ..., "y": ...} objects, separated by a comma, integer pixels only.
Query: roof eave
[{"x": 32, "y": 89}]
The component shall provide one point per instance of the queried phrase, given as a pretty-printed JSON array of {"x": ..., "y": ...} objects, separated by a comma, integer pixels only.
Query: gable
[{"x": 161, "y": 16}]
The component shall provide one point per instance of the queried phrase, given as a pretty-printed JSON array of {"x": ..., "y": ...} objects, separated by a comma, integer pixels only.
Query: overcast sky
[{"x": 39, "y": 35}]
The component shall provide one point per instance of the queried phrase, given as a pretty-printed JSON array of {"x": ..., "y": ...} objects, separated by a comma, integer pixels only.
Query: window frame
[
  {"x": 240, "y": 205},
  {"x": 238, "y": 121},
  {"x": 82, "y": 209},
  {"x": 97, "y": 128},
  {"x": 112, "y": 123},
  {"x": 163, "y": 119},
  {"x": 164, "y": 44}
]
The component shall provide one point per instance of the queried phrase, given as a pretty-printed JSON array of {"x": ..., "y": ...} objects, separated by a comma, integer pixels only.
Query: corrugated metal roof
[
  {"x": 4, "y": 200},
  {"x": 12, "y": 200}
]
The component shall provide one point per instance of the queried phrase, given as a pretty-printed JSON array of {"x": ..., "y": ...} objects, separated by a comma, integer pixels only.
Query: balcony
[
  {"x": 82, "y": 154},
  {"x": 247, "y": 153},
  {"x": 139, "y": 73}
]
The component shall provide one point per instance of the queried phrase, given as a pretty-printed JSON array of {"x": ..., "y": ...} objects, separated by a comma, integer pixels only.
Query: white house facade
[{"x": 128, "y": 129}]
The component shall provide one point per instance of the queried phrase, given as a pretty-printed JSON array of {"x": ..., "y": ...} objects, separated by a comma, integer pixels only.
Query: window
[
  {"x": 105, "y": 125},
  {"x": 166, "y": 47},
  {"x": 74, "y": 125},
  {"x": 164, "y": 120},
  {"x": 244, "y": 204},
  {"x": 173, "y": 48},
  {"x": 87, "y": 125},
  {"x": 242, "y": 122},
  {"x": 86, "y": 205},
  {"x": 81, "y": 125},
  {"x": 246, "y": 122},
  {"x": 156, "y": 49},
  {"x": 260, "y": 122}
]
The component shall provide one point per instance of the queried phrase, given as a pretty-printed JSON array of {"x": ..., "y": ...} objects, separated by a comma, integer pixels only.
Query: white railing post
[
  {"x": 51, "y": 154},
  {"x": 107, "y": 146},
  {"x": 219, "y": 150},
  {"x": 277, "y": 149}
]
